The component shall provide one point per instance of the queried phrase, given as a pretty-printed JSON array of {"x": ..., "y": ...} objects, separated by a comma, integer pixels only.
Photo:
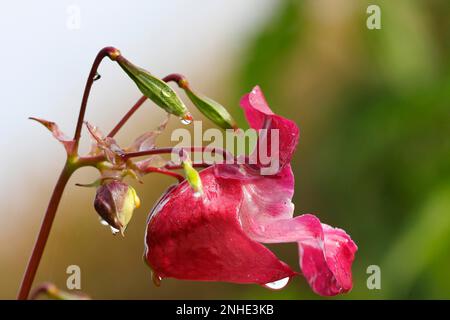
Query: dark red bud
[{"x": 115, "y": 202}]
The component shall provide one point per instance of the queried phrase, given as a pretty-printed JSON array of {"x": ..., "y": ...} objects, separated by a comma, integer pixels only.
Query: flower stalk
[{"x": 44, "y": 232}]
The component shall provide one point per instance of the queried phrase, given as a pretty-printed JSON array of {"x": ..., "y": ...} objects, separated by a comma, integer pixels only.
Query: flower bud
[
  {"x": 155, "y": 89},
  {"x": 193, "y": 177},
  {"x": 210, "y": 109},
  {"x": 115, "y": 202}
]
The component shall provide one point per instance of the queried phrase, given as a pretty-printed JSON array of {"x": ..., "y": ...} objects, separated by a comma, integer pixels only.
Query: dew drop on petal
[
  {"x": 197, "y": 194},
  {"x": 156, "y": 279},
  {"x": 278, "y": 284},
  {"x": 114, "y": 231}
]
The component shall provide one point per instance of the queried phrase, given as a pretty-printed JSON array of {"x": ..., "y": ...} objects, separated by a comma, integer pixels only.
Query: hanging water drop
[
  {"x": 186, "y": 119},
  {"x": 114, "y": 231},
  {"x": 97, "y": 76},
  {"x": 278, "y": 284},
  {"x": 156, "y": 279}
]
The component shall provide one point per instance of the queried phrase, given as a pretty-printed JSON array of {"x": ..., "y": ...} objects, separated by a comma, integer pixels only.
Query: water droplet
[
  {"x": 103, "y": 222},
  {"x": 278, "y": 284},
  {"x": 197, "y": 194},
  {"x": 114, "y": 231},
  {"x": 156, "y": 279},
  {"x": 97, "y": 76},
  {"x": 166, "y": 92},
  {"x": 186, "y": 119}
]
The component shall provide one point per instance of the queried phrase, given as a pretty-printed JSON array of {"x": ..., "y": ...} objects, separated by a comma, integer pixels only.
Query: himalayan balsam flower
[{"x": 219, "y": 236}]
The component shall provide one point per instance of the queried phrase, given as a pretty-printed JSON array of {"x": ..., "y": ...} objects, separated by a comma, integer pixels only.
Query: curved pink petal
[
  {"x": 328, "y": 269},
  {"x": 200, "y": 238},
  {"x": 326, "y": 254},
  {"x": 259, "y": 116}
]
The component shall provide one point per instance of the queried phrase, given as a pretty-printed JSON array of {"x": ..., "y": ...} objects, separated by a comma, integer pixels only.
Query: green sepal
[
  {"x": 155, "y": 89},
  {"x": 212, "y": 110}
]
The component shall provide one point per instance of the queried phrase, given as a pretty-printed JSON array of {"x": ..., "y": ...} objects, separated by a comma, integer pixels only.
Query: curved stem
[
  {"x": 175, "y": 77},
  {"x": 43, "y": 288},
  {"x": 53, "y": 292},
  {"x": 195, "y": 165},
  {"x": 105, "y": 52},
  {"x": 129, "y": 155},
  {"x": 44, "y": 232},
  {"x": 166, "y": 172}
]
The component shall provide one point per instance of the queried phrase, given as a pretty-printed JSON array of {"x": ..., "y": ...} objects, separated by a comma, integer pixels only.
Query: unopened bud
[
  {"x": 210, "y": 109},
  {"x": 155, "y": 89},
  {"x": 115, "y": 202},
  {"x": 193, "y": 177}
]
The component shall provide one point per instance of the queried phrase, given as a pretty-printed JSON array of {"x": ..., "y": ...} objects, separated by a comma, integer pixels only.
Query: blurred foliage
[
  {"x": 267, "y": 53},
  {"x": 380, "y": 166}
]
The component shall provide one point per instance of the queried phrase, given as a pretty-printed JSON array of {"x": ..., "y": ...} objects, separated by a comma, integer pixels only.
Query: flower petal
[
  {"x": 326, "y": 254},
  {"x": 200, "y": 238},
  {"x": 108, "y": 145},
  {"x": 259, "y": 116},
  {"x": 146, "y": 141},
  {"x": 328, "y": 269}
]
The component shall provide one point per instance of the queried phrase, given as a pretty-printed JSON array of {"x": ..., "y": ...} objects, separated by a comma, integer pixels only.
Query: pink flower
[{"x": 218, "y": 236}]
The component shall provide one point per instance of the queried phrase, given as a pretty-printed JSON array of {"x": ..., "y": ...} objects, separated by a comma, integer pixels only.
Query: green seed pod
[
  {"x": 211, "y": 109},
  {"x": 155, "y": 89}
]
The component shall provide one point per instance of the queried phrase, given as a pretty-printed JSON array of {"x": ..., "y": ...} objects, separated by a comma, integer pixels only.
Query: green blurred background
[{"x": 373, "y": 107}]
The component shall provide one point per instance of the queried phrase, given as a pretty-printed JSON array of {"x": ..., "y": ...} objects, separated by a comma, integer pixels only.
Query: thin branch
[
  {"x": 127, "y": 116},
  {"x": 44, "y": 232},
  {"x": 53, "y": 292},
  {"x": 179, "y": 151},
  {"x": 166, "y": 172},
  {"x": 175, "y": 77},
  {"x": 178, "y": 166},
  {"x": 105, "y": 52}
]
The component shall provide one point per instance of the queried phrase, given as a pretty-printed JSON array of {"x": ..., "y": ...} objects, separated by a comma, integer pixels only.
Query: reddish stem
[
  {"x": 176, "y": 77},
  {"x": 127, "y": 116},
  {"x": 46, "y": 288},
  {"x": 195, "y": 165},
  {"x": 44, "y": 232},
  {"x": 53, "y": 292},
  {"x": 165, "y": 172},
  {"x": 129, "y": 155},
  {"x": 105, "y": 52}
]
